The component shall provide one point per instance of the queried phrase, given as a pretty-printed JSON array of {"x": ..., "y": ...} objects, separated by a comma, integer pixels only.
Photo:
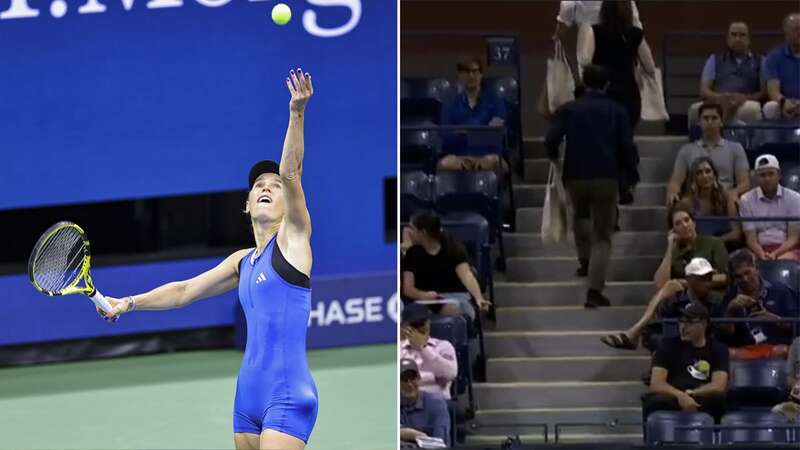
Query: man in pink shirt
[
  {"x": 771, "y": 240},
  {"x": 435, "y": 358}
]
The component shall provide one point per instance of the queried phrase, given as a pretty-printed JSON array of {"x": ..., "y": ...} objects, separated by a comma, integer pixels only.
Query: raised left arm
[{"x": 297, "y": 219}]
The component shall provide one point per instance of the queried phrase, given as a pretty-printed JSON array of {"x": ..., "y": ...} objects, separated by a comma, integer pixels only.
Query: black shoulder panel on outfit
[{"x": 287, "y": 271}]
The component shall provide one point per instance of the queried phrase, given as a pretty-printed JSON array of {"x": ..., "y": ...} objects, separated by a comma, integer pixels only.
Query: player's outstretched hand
[
  {"x": 300, "y": 87},
  {"x": 117, "y": 307}
]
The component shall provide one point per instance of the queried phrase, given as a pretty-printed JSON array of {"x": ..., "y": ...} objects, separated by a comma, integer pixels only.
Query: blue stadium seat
[
  {"x": 783, "y": 271},
  {"x": 660, "y": 428},
  {"x": 438, "y": 88},
  {"x": 752, "y": 436},
  {"x": 468, "y": 191},
  {"x": 471, "y": 192},
  {"x": 416, "y": 192},
  {"x": 759, "y": 382},
  {"x": 425, "y": 99},
  {"x": 419, "y": 148},
  {"x": 791, "y": 177},
  {"x": 505, "y": 88}
]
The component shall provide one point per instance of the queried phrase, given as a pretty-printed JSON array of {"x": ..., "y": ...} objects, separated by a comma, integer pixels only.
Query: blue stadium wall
[{"x": 109, "y": 100}]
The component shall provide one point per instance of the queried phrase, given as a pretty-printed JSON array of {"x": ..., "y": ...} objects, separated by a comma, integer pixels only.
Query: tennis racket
[{"x": 60, "y": 261}]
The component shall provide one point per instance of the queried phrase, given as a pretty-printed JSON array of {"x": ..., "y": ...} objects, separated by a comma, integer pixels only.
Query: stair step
[
  {"x": 649, "y": 146},
  {"x": 629, "y": 243},
  {"x": 558, "y": 394},
  {"x": 634, "y": 268},
  {"x": 514, "y": 344},
  {"x": 647, "y": 194},
  {"x": 573, "y": 293},
  {"x": 651, "y": 170},
  {"x": 567, "y": 368},
  {"x": 632, "y": 218},
  {"x": 565, "y": 318}
]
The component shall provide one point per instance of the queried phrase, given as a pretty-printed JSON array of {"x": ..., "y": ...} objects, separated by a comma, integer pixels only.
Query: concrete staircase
[{"x": 546, "y": 364}]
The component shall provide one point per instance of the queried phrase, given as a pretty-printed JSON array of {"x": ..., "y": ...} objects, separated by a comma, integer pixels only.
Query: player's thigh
[
  {"x": 246, "y": 441},
  {"x": 275, "y": 440}
]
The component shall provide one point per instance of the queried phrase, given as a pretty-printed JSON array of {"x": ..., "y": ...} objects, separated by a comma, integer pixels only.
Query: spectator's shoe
[
  {"x": 583, "y": 269},
  {"x": 595, "y": 299}
]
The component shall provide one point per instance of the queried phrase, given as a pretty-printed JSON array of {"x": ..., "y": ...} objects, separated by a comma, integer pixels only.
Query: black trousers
[{"x": 712, "y": 405}]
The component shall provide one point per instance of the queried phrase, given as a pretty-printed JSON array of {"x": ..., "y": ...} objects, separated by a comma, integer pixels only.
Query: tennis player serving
[{"x": 276, "y": 398}]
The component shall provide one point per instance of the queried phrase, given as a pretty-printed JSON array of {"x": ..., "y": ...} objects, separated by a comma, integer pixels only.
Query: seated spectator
[
  {"x": 437, "y": 264},
  {"x": 690, "y": 372},
  {"x": 422, "y": 414},
  {"x": 670, "y": 300},
  {"x": 757, "y": 298},
  {"x": 782, "y": 74},
  {"x": 791, "y": 408},
  {"x": 683, "y": 244},
  {"x": 729, "y": 157},
  {"x": 771, "y": 240},
  {"x": 435, "y": 358},
  {"x": 471, "y": 106},
  {"x": 733, "y": 79},
  {"x": 705, "y": 197}
]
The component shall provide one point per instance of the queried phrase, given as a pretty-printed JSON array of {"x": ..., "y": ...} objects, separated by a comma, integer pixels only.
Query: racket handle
[{"x": 100, "y": 301}]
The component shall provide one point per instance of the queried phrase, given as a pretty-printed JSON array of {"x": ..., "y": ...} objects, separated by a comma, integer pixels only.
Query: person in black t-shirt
[
  {"x": 436, "y": 264},
  {"x": 690, "y": 373}
]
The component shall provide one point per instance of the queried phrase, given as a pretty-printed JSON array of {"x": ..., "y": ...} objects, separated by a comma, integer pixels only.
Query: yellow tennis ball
[
  {"x": 703, "y": 366},
  {"x": 281, "y": 14}
]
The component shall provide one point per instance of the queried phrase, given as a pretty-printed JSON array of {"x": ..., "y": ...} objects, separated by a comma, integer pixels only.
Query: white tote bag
[
  {"x": 560, "y": 83},
  {"x": 555, "y": 214},
  {"x": 651, "y": 89}
]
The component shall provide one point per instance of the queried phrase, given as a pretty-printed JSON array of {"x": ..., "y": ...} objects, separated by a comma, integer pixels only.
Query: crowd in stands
[{"x": 723, "y": 261}]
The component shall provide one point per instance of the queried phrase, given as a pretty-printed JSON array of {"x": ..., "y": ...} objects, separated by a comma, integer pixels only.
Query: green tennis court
[{"x": 184, "y": 401}]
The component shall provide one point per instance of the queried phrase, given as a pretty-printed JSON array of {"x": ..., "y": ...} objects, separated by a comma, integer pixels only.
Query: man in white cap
[
  {"x": 669, "y": 302},
  {"x": 771, "y": 240}
]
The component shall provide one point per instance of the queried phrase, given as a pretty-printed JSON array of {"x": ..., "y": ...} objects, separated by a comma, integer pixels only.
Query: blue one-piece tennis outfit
[{"x": 274, "y": 389}]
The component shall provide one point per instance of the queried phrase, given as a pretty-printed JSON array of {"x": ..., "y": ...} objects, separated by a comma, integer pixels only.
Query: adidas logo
[{"x": 261, "y": 278}]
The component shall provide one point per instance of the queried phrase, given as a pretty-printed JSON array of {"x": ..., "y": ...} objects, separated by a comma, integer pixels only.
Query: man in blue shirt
[
  {"x": 422, "y": 414},
  {"x": 782, "y": 72},
  {"x": 757, "y": 298},
  {"x": 471, "y": 106},
  {"x": 600, "y": 162},
  {"x": 733, "y": 79}
]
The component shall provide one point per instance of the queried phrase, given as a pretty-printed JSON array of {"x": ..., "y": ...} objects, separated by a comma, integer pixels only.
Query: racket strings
[{"x": 59, "y": 260}]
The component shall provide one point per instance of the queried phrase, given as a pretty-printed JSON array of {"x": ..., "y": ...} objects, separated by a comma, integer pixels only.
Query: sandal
[{"x": 619, "y": 341}]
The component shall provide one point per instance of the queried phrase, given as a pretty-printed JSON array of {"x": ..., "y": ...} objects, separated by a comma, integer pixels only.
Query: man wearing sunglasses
[{"x": 690, "y": 372}]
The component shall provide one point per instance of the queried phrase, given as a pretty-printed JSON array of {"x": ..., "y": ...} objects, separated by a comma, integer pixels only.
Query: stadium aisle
[{"x": 184, "y": 400}]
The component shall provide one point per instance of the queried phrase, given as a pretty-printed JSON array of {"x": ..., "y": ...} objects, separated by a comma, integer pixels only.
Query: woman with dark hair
[
  {"x": 436, "y": 263},
  {"x": 705, "y": 196},
  {"x": 616, "y": 44},
  {"x": 683, "y": 244}
]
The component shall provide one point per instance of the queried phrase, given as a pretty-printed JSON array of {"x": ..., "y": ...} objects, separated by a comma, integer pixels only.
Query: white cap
[
  {"x": 767, "y": 161},
  {"x": 699, "y": 267}
]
